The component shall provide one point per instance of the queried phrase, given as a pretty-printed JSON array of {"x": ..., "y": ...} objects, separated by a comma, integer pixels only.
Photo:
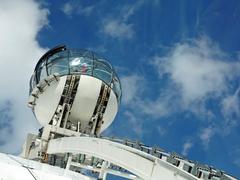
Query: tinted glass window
[
  {"x": 77, "y": 62},
  {"x": 58, "y": 64},
  {"x": 102, "y": 71},
  {"x": 117, "y": 87}
]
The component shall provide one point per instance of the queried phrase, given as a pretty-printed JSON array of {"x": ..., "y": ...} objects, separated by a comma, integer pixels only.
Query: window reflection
[
  {"x": 58, "y": 65},
  {"x": 32, "y": 82},
  {"x": 41, "y": 71},
  {"x": 102, "y": 72},
  {"x": 117, "y": 87},
  {"x": 80, "y": 65}
]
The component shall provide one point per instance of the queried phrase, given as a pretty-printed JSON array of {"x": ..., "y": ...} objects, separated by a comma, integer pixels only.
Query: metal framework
[{"x": 130, "y": 160}]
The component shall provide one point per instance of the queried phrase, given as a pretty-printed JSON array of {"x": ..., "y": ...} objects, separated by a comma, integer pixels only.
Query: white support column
[
  {"x": 108, "y": 171},
  {"x": 69, "y": 162},
  {"x": 103, "y": 172}
]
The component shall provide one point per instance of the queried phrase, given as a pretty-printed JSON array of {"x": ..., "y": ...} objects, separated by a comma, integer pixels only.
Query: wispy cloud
[
  {"x": 117, "y": 29},
  {"x": 198, "y": 68},
  {"x": 161, "y": 130},
  {"x": 68, "y": 9},
  {"x": 130, "y": 9},
  {"x": 120, "y": 27},
  {"x": 132, "y": 89},
  {"x": 231, "y": 105},
  {"x": 186, "y": 147},
  {"x": 237, "y": 161},
  {"x": 135, "y": 123},
  {"x": 75, "y": 8},
  {"x": 236, "y": 156},
  {"x": 206, "y": 134},
  {"x": 132, "y": 86},
  {"x": 98, "y": 49},
  {"x": 21, "y": 52},
  {"x": 156, "y": 108}
]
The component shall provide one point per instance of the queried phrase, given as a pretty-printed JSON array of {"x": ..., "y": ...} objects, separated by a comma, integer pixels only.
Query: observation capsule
[{"x": 74, "y": 89}]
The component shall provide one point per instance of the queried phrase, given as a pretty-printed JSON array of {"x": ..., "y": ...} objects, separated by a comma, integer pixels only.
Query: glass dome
[{"x": 74, "y": 61}]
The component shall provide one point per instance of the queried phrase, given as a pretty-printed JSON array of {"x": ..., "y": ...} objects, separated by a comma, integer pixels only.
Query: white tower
[{"x": 75, "y": 95}]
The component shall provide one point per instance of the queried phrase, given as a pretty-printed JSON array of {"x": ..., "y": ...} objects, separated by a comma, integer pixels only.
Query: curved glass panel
[
  {"x": 58, "y": 63},
  {"x": 117, "y": 87},
  {"x": 102, "y": 71},
  {"x": 41, "y": 71},
  {"x": 32, "y": 83},
  {"x": 59, "y": 66},
  {"x": 73, "y": 61}
]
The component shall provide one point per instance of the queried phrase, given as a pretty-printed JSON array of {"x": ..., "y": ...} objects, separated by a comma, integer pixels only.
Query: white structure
[
  {"x": 14, "y": 168},
  {"x": 75, "y": 95}
]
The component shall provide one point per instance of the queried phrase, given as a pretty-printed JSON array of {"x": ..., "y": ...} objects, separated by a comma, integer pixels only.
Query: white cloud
[
  {"x": 186, "y": 147},
  {"x": 68, "y": 8},
  {"x": 71, "y": 8},
  {"x": 237, "y": 161},
  {"x": 20, "y": 23},
  {"x": 86, "y": 10},
  {"x": 119, "y": 26},
  {"x": 132, "y": 86},
  {"x": 230, "y": 109},
  {"x": 231, "y": 105},
  {"x": 117, "y": 29},
  {"x": 197, "y": 69},
  {"x": 135, "y": 123},
  {"x": 161, "y": 130},
  {"x": 206, "y": 134},
  {"x": 128, "y": 10},
  {"x": 154, "y": 108},
  {"x": 235, "y": 156},
  {"x": 98, "y": 49}
]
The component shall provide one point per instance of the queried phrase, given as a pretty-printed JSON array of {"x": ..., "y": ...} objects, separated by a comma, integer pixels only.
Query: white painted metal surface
[
  {"x": 48, "y": 100},
  {"x": 137, "y": 162},
  {"x": 85, "y": 99},
  {"x": 84, "y": 103},
  {"x": 111, "y": 111},
  {"x": 16, "y": 168}
]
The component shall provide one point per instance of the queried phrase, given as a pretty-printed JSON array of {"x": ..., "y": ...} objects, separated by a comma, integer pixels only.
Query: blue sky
[{"x": 178, "y": 61}]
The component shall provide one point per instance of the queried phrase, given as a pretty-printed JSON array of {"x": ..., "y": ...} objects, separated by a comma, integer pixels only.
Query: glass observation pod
[{"x": 65, "y": 61}]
